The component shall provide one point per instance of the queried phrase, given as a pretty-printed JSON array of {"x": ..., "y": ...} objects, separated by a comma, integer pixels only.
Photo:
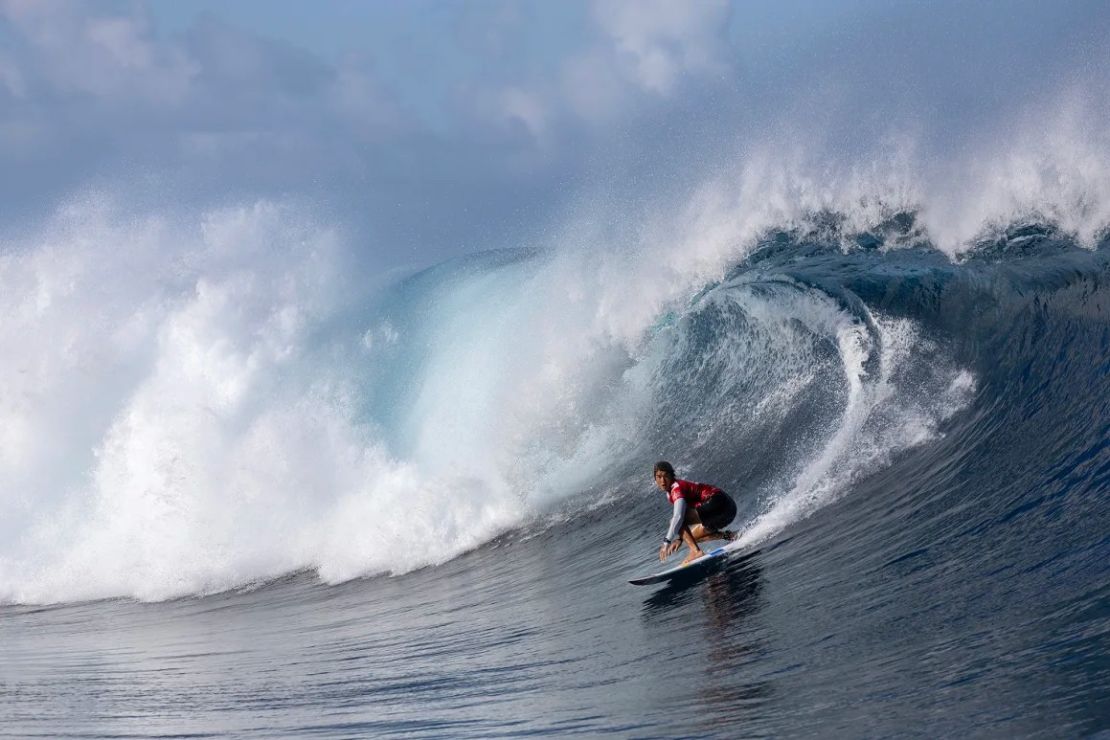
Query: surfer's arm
[
  {"x": 673, "y": 538},
  {"x": 678, "y": 518}
]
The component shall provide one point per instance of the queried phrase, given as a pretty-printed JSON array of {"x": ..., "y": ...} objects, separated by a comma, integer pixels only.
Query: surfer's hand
[{"x": 668, "y": 549}]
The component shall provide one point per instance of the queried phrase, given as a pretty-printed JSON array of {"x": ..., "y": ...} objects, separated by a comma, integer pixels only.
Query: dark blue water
[{"x": 954, "y": 583}]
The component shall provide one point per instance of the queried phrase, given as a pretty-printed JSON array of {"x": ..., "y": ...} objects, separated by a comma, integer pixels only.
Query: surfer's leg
[
  {"x": 692, "y": 530},
  {"x": 698, "y": 529},
  {"x": 716, "y": 514}
]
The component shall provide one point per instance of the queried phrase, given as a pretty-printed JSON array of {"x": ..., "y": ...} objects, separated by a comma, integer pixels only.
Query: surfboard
[{"x": 713, "y": 557}]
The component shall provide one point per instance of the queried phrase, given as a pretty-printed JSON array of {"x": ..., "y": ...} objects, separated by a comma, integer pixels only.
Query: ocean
[{"x": 273, "y": 500}]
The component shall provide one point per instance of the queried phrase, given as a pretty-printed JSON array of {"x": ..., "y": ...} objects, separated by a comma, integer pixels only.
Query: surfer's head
[{"x": 664, "y": 475}]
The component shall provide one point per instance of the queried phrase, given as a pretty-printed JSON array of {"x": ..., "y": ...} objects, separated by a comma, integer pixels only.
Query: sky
[{"x": 434, "y": 129}]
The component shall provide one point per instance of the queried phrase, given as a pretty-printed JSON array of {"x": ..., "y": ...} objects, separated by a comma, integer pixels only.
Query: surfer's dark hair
[{"x": 665, "y": 466}]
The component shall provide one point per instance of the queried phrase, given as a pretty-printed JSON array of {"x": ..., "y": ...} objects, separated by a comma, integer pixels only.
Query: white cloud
[
  {"x": 649, "y": 46},
  {"x": 71, "y": 47},
  {"x": 91, "y": 93},
  {"x": 593, "y": 89},
  {"x": 656, "y": 42},
  {"x": 527, "y": 108}
]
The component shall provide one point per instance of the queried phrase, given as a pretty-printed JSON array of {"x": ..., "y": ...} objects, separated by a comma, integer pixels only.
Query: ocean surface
[{"x": 416, "y": 512}]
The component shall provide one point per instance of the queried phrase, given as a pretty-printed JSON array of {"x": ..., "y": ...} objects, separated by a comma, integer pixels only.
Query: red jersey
[{"x": 695, "y": 494}]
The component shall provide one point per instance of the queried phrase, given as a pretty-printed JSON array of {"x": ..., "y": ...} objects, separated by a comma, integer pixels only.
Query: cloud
[
  {"x": 527, "y": 108},
  {"x": 91, "y": 96},
  {"x": 627, "y": 56},
  {"x": 594, "y": 90},
  {"x": 93, "y": 87},
  {"x": 656, "y": 42},
  {"x": 68, "y": 48},
  {"x": 421, "y": 155},
  {"x": 213, "y": 79},
  {"x": 490, "y": 118}
]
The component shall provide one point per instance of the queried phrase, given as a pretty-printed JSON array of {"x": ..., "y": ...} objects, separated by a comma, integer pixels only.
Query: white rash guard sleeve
[{"x": 677, "y": 519}]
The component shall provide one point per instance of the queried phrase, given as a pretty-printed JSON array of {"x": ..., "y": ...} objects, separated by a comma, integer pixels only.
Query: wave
[{"x": 190, "y": 407}]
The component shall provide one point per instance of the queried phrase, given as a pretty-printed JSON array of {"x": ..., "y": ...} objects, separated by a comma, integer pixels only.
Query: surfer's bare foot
[{"x": 693, "y": 556}]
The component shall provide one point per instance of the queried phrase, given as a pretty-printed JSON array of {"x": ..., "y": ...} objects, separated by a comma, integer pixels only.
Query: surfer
[{"x": 701, "y": 512}]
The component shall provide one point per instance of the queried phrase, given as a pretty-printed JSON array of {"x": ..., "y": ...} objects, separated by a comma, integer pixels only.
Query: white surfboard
[{"x": 709, "y": 558}]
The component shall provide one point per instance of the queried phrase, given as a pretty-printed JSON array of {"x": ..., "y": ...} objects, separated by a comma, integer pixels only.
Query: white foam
[
  {"x": 878, "y": 421},
  {"x": 172, "y": 427},
  {"x": 175, "y": 423}
]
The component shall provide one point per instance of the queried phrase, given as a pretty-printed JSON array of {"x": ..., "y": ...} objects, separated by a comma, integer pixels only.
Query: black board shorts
[{"x": 718, "y": 511}]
